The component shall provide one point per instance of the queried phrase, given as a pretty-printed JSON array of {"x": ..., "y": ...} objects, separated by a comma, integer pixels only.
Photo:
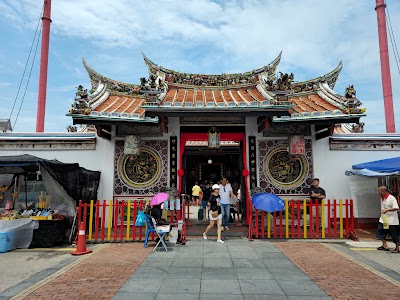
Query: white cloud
[{"x": 213, "y": 37}]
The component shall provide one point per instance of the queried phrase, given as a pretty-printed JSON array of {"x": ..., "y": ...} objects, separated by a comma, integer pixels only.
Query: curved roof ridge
[
  {"x": 111, "y": 84},
  {"x": 270, "y": 68},
  {"x": 330, "y": 77}
]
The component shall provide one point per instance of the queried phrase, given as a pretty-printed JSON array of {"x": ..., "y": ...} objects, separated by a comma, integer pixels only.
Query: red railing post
[
  {"x": 103, "y": 220},
  {"x": 311, "y": 218},
  {"x": 250, "y": 220},
  {"x": 292, "y": 215},
  {"x": 347, "y": 217},
  {"x": 329, "y": 218},
  {"x": 115, "y": 219},
  {"x": 274, "y": 216},
  {"x": 121, "y": 225},
  {"x": 135, "y": 212},
  {"x": 352, "y": 215},
  {"x": 298, "y": 219},
  {"x": 280, "y": 224},
  {"x": 256, "y": 223}
]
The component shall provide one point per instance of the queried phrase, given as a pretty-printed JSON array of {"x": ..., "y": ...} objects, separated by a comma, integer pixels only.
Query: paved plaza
[{"x": 204, "y": 269}]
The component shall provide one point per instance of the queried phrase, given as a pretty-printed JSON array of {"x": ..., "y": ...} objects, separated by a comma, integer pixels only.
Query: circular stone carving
[
  {"x": 285, "y": 170},
  {"x": 141, "y": 170}
]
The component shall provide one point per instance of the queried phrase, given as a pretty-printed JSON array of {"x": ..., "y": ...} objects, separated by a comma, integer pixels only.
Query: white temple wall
[{"x": 330, "y": 167}]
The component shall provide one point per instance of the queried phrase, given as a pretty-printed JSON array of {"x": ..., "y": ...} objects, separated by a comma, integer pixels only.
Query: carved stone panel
[
  {"x": 143, "y": 174},
  {"x": 282, "y": 173}
]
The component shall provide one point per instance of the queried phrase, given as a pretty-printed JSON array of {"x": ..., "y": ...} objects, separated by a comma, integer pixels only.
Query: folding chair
[
  {"x": 149, "y": 229},
  {"x": 161, "y": 231}
]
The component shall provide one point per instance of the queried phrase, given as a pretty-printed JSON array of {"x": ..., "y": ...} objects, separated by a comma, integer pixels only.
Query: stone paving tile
[
  {"x": 132, "y": 295},
  {"x": 210, "y": 286},
  {"x": 180, "y": 286},
  {"x": 185, "y": 273},
  {"x": 337, "y": 275},
  {"x": 98, "y": 277},
  {"x": 260, "y": 287},
  {"x": 151, "y": 272},
  {"x": 218, "y": 263},
  {"x": 254, "y": 273},
  {"x": 176, "y": 297},
  {"x": 220, "y": 297},
  {"x": 187, "y": 262},
  {"x": 215, "y": 273},
  {"x": 247, "y": 263}
]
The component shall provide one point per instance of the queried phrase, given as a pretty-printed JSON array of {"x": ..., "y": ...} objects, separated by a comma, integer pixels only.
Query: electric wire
[
  {"x": 27, "y": 83},
  {"x": 393, "y": 40},
  {"x": 26, "y": 66}
]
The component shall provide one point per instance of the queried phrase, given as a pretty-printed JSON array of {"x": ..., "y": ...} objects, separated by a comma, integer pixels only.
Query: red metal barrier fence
[
  {"x": 335, "y": 220},
  {"x": 114, "y": 221}
]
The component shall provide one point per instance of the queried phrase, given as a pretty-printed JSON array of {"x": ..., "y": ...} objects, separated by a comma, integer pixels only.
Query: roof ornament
[
  {"x": 350, "y": 92},
  {"x": 283, "y": 83},
  {"x": 358, "y": 128},
  {"x": 81, "y": 105},
  {"x": 151, "y": 88},
  {"x": 81, "y": 92},
  {"x": 351, "y": 103}
]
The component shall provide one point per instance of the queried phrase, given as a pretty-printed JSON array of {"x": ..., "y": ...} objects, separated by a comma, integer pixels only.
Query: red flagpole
[
  {"x": 385, "y": 66},
  {"x": 44, "y": 60}
]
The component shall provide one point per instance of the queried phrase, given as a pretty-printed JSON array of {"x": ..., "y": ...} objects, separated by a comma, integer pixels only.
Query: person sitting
[{"x": 156, "y": 213}]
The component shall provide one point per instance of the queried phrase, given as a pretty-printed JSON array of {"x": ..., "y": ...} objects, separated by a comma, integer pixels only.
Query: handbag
[
  {"x": 140, "y": 219},
  {"x": 214, "y": 214}
]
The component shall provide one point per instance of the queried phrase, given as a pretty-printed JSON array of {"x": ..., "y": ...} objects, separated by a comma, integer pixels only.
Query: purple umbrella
[{"x": 158, "y": 199}]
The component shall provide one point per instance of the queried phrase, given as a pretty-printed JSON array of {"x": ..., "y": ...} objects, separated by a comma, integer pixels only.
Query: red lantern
[
  {"x": 181, "y": 172},
  {"x": 245, "y": 173}
]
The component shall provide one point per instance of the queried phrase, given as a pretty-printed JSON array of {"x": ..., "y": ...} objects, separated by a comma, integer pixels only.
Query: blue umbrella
[{"x": 268, "y": 202}]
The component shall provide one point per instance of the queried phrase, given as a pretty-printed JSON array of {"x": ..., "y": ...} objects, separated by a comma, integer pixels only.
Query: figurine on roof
[
  {"x": 81, "y": 92},
  {"x": 358, "y": 128},
  {"x": 350, "y": 92}
]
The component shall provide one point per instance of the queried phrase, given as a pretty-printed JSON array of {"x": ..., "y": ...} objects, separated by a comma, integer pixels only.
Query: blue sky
[{"x": 198, "y": 36}]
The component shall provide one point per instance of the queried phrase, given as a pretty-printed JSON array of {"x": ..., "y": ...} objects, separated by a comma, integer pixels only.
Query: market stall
[{"x": 46, "y": 191}]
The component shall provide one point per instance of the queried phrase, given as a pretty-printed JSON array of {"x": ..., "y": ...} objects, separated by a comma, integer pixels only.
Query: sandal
[
  {"x": 395, "y": 251},
  {"x": 383, "y": 248}
]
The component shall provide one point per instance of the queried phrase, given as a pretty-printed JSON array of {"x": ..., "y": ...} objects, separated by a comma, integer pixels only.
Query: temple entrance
[{"x": 209, "y": 166}]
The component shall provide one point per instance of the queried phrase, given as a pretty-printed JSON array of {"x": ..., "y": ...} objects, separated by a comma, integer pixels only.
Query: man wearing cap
[{"x": 226, "y": 193}]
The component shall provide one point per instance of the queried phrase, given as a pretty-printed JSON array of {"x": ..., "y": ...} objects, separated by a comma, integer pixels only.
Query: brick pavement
[
  {"x": 97, "y": 277},
  {"x": 338, "y": 275}
]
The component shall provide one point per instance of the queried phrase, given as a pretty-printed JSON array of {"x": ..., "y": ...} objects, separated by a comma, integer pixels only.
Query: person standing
[
  {"x": 389, "y": 208},
  {"x": 317, "y": 194},
  {"x": 215, "y": 213},
  {"x": 226, "y": 195},
  {"x": 196, "y": 189}
]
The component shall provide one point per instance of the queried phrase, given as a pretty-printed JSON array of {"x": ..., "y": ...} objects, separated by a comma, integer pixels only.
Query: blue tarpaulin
[{"x": 378, "y": 168}]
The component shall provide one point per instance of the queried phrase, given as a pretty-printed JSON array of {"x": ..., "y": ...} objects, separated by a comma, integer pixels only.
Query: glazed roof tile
[{"x": 320, "y": 101}]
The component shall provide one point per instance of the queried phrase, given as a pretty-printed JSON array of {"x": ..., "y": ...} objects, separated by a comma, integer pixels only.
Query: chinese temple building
[{"x": 257, "y": 128}]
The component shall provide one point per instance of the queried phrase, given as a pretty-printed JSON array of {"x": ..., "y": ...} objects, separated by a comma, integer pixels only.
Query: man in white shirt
[
  {"x": 389, "y": 208},
  {"x": 226, "y": 193}
]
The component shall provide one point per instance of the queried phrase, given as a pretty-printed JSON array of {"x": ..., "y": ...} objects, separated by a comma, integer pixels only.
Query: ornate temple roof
[
  {"x": 223, "y": 79},
  {"x": 259, "y": 91}
]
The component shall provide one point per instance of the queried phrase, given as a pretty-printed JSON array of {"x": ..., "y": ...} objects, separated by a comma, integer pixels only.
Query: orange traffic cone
[{"x": 81, "y": 246}]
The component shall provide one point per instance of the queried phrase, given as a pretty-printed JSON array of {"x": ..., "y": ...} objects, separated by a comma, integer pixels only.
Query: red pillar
[
  {"x": 385, "y": 67},
  {"x": 44, "y": 59}
]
